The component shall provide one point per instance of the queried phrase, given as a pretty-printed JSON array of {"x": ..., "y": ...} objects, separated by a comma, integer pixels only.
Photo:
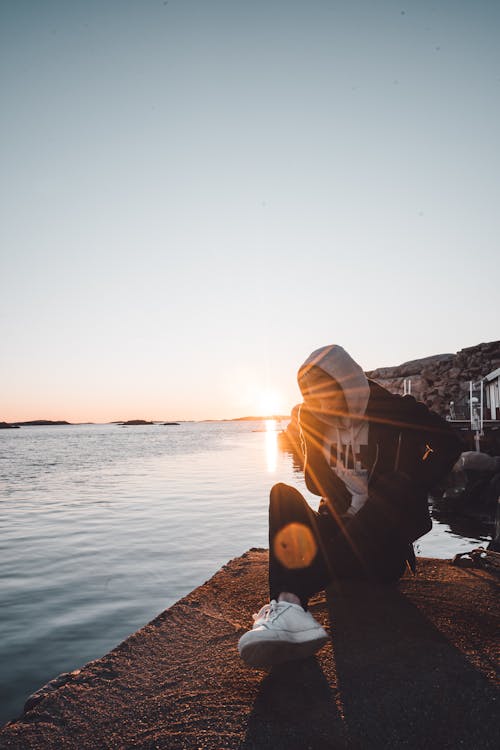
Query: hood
[{"x": 340, "y": 366}]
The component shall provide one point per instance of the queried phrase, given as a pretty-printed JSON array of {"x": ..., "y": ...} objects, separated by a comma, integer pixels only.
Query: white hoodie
[{"x": 347, "y": 432}]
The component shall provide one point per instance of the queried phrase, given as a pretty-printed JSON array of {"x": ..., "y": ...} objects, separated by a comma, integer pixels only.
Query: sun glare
[{"x": 269, "y": 403}]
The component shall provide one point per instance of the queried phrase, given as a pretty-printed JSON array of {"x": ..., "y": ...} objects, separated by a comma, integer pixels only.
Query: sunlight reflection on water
[{"x": 271, "y": 445}]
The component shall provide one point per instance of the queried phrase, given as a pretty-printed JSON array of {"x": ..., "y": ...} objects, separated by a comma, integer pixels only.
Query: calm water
[{"x": 103, "y": 527}]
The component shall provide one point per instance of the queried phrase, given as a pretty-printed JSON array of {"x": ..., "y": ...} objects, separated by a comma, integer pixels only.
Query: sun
[{"x": 269, "y": 402}]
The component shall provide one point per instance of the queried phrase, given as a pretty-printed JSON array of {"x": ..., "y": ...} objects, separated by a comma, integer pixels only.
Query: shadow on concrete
[
  {"x": 401, "y": 682},
  {"x": 294, "y": 709}
]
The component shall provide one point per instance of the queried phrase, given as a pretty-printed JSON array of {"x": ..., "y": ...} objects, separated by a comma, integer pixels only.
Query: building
[{"x": 491, "y": 385}]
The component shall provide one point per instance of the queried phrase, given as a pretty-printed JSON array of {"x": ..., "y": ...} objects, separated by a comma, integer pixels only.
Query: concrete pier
[{"x": 410, "y": 666}]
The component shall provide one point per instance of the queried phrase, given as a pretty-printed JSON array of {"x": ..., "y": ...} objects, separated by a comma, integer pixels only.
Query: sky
[{"x": 196, "y": 194}]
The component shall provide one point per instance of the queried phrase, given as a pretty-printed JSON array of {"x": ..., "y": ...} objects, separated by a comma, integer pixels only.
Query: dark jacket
[{"x": 410, "y": 449}]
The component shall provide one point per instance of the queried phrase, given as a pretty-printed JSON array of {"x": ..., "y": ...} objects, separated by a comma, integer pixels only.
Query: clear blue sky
[{"x": 196, "y": 194}]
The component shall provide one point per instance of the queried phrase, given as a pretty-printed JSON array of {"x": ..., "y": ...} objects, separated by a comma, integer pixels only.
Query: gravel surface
[{"x": 411, "y": 666}]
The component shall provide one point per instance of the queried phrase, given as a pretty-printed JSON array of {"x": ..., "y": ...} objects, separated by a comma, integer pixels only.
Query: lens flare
[{"x": 295, "y": 546}]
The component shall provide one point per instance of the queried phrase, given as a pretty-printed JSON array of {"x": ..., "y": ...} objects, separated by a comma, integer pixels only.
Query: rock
[
  {"x": 454, "y": 373},
  {"x": 44, "y": 691},
  {"x": 441, "y": 378}
]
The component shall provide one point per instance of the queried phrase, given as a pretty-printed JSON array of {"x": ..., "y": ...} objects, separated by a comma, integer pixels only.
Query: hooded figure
[
  {"x": 339, "y": 366},
  {"x": 338, "y": 393},
  {"x": 372, "y": 457},
  {"x": 360, "y": 442}
]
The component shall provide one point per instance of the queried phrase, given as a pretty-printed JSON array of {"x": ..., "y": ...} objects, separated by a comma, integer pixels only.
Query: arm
[
  {"x": 420, "y": 448},
  {"x": 436, "y": 446},
  {"x": 319, "y": 477},
  {"x": 411, "y": 438}
]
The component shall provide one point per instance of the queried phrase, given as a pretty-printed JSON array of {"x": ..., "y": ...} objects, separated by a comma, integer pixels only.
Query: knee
[
  {"x": 287, "y": 501},
  {"x": 279, "y": 489},
  {"x": 279, "y": 492}
]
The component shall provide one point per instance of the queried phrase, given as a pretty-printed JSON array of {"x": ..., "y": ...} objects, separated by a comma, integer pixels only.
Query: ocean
[{"x": 104, "y": 526}]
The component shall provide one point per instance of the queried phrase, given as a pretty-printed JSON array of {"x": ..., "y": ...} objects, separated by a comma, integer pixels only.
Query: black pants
[{"x": 309, "y": 550}]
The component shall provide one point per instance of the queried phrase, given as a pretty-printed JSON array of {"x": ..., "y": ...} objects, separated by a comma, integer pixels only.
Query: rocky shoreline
[
  {"x": 409, "y": 666},
  {"x": 441, "y": 378}
]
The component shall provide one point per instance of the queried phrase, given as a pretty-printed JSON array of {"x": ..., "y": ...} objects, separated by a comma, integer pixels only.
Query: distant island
[
  {"x": 133, "y": 423},
  {"x": 32, "y": 423},
  {"x": 139, "y": 422}
]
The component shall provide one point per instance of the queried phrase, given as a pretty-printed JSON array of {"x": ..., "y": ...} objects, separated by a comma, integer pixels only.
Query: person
[{"x": 372, "y": 457}]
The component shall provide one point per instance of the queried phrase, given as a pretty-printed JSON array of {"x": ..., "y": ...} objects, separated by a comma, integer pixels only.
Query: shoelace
[{"x": 268, "y": 612}]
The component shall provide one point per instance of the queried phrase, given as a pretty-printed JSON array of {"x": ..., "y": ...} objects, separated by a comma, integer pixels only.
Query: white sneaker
[{"x": 281, "y": 632}]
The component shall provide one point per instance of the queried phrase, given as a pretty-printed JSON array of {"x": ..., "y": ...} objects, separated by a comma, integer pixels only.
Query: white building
[{"x": 491, "y": 384}]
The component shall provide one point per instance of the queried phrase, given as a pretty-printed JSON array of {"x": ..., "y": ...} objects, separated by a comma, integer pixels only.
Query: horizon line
[{"x": 48, "y": 422}]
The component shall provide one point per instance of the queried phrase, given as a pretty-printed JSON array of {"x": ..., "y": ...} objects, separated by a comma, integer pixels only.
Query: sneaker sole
[{"x": 266, "y": 653}]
